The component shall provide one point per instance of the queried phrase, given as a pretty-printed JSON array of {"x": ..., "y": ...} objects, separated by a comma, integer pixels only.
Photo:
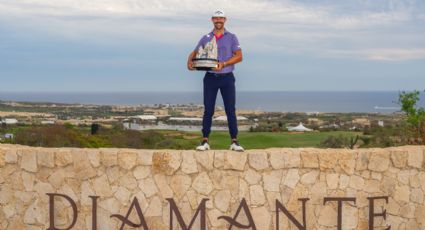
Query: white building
[
  {"x": 9, "y": 121},
  {"x": 299, "y": 128}
]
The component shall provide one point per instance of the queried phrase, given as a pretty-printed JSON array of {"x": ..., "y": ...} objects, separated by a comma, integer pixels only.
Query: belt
[{"x": 220, "y": 74}]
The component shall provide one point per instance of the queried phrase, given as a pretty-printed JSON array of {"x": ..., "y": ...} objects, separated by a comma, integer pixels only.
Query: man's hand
[
  {"x": 219, "y": 67},
  {"x": 190, "y": 65},
  {"x": 189, "y": 60}
]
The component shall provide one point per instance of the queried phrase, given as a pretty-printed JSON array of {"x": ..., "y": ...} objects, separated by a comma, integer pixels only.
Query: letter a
[
  {"x": 233, "y": 221},
  {"x": 126, "y": 221}
]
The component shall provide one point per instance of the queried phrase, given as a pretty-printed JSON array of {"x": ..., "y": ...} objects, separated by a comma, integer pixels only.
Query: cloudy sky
[{"x": 142, "y": 45}]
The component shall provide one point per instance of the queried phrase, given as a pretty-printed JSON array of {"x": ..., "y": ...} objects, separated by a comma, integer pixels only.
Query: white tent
[{"x": 299, "y": 128}]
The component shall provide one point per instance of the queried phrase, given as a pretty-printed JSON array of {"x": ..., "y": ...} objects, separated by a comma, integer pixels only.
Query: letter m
[{"x": 201, "y": 210}]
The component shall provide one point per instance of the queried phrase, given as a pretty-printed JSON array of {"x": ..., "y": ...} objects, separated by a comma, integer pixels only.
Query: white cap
[{"x": 218, "y": 13}]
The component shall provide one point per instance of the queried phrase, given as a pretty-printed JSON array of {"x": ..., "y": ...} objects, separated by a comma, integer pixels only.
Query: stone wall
[{"x": 259, "y": 177}]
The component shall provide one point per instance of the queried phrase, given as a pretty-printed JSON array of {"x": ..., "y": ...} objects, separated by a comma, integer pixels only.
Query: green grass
[{"x": 260, "y": 140}]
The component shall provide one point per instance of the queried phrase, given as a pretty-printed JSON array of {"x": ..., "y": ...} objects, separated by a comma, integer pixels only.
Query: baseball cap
[{"x": 218, "y": 13}]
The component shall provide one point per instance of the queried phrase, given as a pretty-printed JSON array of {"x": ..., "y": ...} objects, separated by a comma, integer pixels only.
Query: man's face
[{"x": 218, "y": 22}]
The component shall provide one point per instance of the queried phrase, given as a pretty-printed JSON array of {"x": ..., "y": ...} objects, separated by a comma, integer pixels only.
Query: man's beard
[{"x": 218, "y": 25}]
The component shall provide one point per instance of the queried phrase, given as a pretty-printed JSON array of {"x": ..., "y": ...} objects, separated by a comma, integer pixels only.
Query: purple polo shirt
[{"x": 226, "y": 45}]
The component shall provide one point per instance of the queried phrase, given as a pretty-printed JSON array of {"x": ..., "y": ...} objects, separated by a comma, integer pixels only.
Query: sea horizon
[{"x": 367, "y": 101}]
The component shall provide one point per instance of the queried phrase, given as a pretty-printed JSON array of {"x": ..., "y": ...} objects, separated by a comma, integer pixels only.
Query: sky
[{"x": 142, "y": 45}]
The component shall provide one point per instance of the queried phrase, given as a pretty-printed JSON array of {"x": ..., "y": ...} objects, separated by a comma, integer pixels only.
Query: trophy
[{"x": 206, "y": 58}]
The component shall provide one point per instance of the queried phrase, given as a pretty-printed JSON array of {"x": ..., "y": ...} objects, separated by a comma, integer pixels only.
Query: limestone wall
[{"x": 259, "y": 177}]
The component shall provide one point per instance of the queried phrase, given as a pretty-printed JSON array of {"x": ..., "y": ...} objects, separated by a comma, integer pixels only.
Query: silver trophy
[{"x": 206, "y": 58}]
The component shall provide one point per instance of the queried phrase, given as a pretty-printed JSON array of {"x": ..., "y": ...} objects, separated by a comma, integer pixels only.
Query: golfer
[{"x": 221, "y": 78}]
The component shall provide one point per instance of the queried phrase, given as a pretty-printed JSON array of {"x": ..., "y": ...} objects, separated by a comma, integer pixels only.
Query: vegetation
[
  {"x": 74, "y": 136},
  {"x": 415, "y": 116}
]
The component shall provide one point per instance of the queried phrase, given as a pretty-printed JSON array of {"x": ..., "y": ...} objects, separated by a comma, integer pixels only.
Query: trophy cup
[{"x": 206, "y": 58}]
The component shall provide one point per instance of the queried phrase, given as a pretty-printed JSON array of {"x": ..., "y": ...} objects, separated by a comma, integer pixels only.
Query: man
[{"x": 221, "y": 78}]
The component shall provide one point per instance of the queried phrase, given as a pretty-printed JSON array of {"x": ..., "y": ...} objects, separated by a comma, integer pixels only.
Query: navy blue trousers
[{"x": 226, "y": 84}]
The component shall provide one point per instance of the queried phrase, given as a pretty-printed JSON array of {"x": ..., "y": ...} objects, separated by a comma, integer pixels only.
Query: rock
[
  {"x": 82, "y": 166},
  {"x": 162, "y": 184},
  {"x": 148, "y": 187},
  {"x": 145, "y": 157},
  {"x": 202, "y": 184},
  {"x": 399, "y": 158},
  {"x": 332, "y": 180},
  {"x": 42, "y": 188},
  {"x": 328, "y": 159},
  {"x": 252, "y": 177},
  {"x": 206, "y": 159},
  {"x": 10, "y": 156},
  {"x": 417, "y": 196},
  {"x": 86, "y": 191},
  {"x": 420, "y": 215},
  {"x": 271, "y": 180},
  {"x": 262, "y": 217},
  {"x": 234, "y": 160},
  {"x": 63, "y": 157},
  {"x": 35, "y": 214},
  {"x": 256, "y": 195},
  {"x": 310, "y": 177},
  {"x": 222, "y": 200},
  {"x": 344, "y": 180},
  {"x": 94, "y": 157},
  {"x": 46, "y": 158},
  {"x": 310, "y": 159},
  {"x": 347, "y": 161},
  {"x": 356, "y": 182},
  {"x": 109, "y": 157},
  {"x": 292, "y": 178},
  {"x": 372, "y": 186},
  {"x": 29, "y": 160},
  {"x": 292, "y": 158},
  {"x": 122, "y": 195},
  {"x": 28, "y": 180},
  {"x": 166, "y": 162},
  {"x": 379, "y": 161},
  {"x": 155, "y": 207},
  {"x": 415, "y": 157},
  {"x": 327, "y": 217},
  {"x": 277, "y": 158},
  {"x": 258, "y": 160},
  {"x": 127, "y": 159},
  {"x": 402, "y": 193},
  {"x": 102, "y": 187},
  {"x": 141, "y": 172},
  {"x": 362, "y": 161},
  {"x": 219, "y": 159},
  {"x": 180, "y": 184},
  {"x": 189, "y": 164}
]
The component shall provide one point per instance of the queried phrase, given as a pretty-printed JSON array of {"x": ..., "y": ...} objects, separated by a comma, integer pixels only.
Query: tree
[{"x": 415, "y": 115}]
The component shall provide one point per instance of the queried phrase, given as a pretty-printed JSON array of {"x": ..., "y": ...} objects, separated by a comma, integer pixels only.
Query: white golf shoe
[
  {"x": 236, "y": 147},
  {"x": 203, "y": 146}
]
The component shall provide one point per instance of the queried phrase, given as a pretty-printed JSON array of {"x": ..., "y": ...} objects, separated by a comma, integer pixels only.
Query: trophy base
[{"x": 204, "y": 64}]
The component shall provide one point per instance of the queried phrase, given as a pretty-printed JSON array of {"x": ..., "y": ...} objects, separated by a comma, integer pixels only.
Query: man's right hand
[{"x": 190, "y": 65}]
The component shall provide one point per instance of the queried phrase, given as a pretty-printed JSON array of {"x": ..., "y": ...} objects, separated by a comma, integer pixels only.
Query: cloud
[{"x": 350, "y": 29}]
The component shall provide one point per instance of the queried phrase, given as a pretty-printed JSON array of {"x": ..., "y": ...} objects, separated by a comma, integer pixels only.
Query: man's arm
[
  {"x": 237, "y": 57},
  {"x": 189, "y": 60}
]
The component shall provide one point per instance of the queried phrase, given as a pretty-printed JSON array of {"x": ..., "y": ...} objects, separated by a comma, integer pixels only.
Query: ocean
[{"x": 273, "y": 101}]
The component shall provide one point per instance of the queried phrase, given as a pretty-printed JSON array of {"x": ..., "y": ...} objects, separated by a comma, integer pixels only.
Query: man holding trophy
[{"x": 217, "y": 53}]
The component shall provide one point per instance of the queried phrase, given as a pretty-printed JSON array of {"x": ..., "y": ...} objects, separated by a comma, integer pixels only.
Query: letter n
[
  {"x": 280, "y": 207},
  {"x": 199, "y": 211}
]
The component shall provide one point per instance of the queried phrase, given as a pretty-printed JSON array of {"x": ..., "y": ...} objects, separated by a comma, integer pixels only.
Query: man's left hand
[{"x": 219, "y": 67}]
